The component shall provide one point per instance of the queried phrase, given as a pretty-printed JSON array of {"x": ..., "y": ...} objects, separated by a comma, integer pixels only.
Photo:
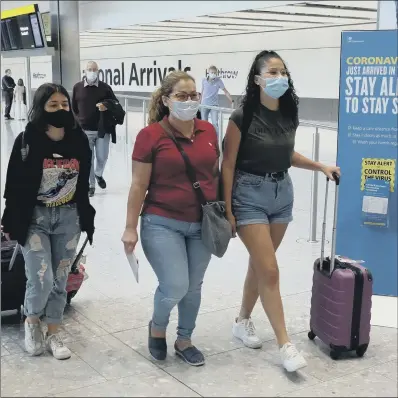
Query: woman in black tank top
[{"x": 258, "y": 191}]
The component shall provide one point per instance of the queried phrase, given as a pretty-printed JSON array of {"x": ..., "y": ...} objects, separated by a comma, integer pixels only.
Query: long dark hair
[
  {"x": 42, "y": 95},
  {"x": 20, "y": 82},
  {"x": 288, "y": 103}
]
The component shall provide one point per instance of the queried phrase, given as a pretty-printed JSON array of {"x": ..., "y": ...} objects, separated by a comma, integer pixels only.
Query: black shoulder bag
[{"x": 216, "y": 229}]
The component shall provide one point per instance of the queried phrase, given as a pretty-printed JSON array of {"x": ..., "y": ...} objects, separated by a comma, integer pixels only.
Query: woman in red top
[{"x": 171, "y": 213}]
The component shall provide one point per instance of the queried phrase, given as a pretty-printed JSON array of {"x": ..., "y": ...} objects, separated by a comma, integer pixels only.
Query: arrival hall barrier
[{"x": 310, "y": 135}]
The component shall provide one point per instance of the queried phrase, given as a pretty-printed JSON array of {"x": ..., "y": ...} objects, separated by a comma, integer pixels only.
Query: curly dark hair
[{"x": 288, "y": 103}]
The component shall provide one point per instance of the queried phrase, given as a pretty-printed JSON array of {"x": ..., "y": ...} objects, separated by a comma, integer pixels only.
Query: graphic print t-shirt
[{"x": 60, "y": 174}]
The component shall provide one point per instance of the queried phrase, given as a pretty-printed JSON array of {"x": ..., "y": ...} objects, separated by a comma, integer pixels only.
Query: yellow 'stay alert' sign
[{"x": 378, "y": 169}]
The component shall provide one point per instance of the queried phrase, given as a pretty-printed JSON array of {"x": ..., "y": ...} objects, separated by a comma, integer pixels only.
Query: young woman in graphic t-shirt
[
  {"x": 46, "y": 208},
  {"x": 259, "y": 150}
]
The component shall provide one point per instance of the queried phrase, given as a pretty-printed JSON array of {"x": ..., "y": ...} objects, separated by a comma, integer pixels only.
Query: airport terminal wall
[{"x": 136, "y": 69}]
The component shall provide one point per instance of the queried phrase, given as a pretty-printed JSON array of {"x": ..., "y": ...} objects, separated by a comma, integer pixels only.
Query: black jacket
[
  {"x": 24, "y": 178},
  {"x": 7, "y": 83},
  {"x": 110, "y": 118}
]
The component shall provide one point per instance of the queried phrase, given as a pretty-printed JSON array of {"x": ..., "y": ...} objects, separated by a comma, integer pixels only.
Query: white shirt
[{"x": 19, "y": 92}]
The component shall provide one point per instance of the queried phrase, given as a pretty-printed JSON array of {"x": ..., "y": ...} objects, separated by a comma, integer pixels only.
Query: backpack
[{"x": 246, "y": 122}]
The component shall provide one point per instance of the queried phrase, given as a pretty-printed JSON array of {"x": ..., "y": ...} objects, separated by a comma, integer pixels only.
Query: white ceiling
[{"x": 295, "y": 16}]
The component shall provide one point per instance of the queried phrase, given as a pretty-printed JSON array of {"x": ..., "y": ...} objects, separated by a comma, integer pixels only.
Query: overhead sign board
[{"x": 21, "y": 29}]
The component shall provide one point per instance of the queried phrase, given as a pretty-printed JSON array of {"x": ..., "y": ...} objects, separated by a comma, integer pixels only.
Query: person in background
[
  {"x": 171, "y": 212},
  {"x": 258, "y": 191},
  {"x": 46, "y": 208},
  {"x": 211, "y": 85},
  {"x": 20, "y": 100},
  {"x": 87, "y": 103},
  {"x": 8, "y": 85}
]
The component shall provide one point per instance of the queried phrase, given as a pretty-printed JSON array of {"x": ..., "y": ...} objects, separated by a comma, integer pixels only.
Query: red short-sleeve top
[{"x": 170, "y": 193}]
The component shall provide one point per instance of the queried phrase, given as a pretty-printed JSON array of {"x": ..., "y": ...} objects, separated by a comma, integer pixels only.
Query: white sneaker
[
  {"x": 34, "y": 339},
  {"x": 246, "y": 332},
  {"x": 292, "y": 360},
  {"x": 56, "y": 346}
]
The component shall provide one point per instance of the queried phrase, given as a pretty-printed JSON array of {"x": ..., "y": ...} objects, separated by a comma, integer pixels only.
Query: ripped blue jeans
[{"x": 49, "y": 252}]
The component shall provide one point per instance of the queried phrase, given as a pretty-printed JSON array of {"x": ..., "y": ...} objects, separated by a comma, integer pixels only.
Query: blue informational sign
[{"x": 367, "y": 154}]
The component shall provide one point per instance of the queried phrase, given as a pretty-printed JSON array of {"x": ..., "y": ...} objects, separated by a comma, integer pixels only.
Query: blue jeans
[
  {"x": 49, "y": 252},
  {"x": 100, "y": 151},
  {"x": 214, "y": 117},
  {"x": 179, "y": 259}
]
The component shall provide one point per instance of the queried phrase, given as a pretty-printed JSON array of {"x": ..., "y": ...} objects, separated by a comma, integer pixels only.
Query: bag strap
[
  {"x": 190, "y": 170},
  {"x": 24, "y": 148},
  {"x": 246, "y": 122}
]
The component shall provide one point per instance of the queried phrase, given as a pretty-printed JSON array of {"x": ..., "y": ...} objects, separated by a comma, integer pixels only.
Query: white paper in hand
[{"x": 132, "y": 259}]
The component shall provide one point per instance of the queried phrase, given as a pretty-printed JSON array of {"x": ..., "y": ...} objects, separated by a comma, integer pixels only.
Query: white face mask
[
  {"x": 212, "y": 75},
  {"x": 91, "y": 76},
  {"x": 185, "y": 110}
]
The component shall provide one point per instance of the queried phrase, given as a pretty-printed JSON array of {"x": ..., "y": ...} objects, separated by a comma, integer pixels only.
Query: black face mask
[{"x": 59, "y": 118}]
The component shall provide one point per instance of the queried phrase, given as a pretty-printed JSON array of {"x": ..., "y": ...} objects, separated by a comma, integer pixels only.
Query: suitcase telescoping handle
[
  {"x": 14, "y": 256},
  {"x": 325, "y": 212},
  {"x": 76, "y": 263}
]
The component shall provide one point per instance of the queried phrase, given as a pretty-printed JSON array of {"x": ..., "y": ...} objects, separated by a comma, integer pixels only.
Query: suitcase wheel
[
  {"x": 361, "y": 350},
  {"x": 311, "y": 335},
  {"x": 334, "y": 355}
]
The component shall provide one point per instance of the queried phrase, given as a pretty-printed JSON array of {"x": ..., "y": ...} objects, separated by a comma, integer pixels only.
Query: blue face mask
[{"x": 275, "y": 87}]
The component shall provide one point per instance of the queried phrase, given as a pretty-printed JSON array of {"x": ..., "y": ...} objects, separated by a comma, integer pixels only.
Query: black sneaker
[
  {"x": 190, "y": 355},
  {"x": 9, "y": 118},
  {"x": 91, "y": 192},
  {"x": 101, "y": 182}
]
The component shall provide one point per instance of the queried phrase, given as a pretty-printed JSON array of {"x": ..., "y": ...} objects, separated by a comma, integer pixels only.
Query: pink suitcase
[
  {"x": 75, "y": 281},
  {"x": 341, "y": 297}
]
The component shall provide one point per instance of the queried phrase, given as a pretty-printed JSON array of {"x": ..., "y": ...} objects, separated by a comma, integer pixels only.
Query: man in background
[
  {"x": 8, "y": 85},
  {"x": 87, "y": 99}
]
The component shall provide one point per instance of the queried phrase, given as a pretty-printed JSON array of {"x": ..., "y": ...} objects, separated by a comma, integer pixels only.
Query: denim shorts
[{"x": 262, "y": 200}]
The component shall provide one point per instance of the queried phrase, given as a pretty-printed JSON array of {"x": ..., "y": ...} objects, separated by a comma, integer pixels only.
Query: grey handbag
[{"x": 216, "y": 229}]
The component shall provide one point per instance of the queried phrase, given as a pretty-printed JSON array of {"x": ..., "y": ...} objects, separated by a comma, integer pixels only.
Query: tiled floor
[{"x": 106, "y": 326}]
